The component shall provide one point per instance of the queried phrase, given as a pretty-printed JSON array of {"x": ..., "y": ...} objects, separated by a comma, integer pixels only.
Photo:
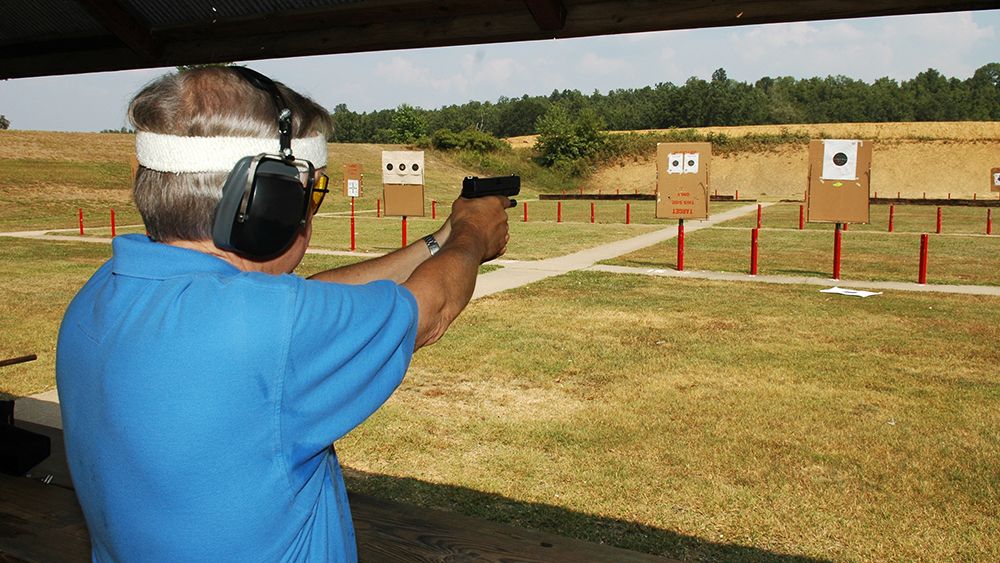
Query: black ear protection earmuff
[{"x": 264, "y": 202}]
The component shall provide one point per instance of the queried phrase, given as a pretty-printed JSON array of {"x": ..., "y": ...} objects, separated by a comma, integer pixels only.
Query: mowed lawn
[
  {"x": 961, "y": 254},
  {"x": 706, "y": 420}
]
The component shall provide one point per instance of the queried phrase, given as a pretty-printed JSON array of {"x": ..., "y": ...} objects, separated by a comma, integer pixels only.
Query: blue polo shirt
[{"x": 200, "y": 404}]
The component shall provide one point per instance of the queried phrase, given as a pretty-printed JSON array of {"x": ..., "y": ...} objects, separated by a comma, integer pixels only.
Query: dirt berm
[{"x": 909, "y": 158}]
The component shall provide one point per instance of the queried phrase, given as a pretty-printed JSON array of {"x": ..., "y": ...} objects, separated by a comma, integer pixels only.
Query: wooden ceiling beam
[
  {"x": 377, "y": 25},
  {"x": 550, "y": 15},
  {"x": 133, "y": 33}
]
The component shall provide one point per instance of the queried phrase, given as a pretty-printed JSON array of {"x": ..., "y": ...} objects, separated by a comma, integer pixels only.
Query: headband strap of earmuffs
[{"x": 284, "y": 113}]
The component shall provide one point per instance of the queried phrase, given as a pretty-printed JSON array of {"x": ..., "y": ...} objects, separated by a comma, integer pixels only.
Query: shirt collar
[{"x": 137, "y": 256}]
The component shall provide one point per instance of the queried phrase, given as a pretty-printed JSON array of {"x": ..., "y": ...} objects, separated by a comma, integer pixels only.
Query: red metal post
[
  {"x": 845, "y": 226},
  {"x": 892, "y": 216},
  {"x": 680, "y": 244},
  {"x": 939, "y": 221},
  {"x": 404, "y": 231},
  {"x": 353, "y": 240},
  {"x": 628, "y": 213},
  {"x": 802, "y": 217},
  {"x": 989, "y": 221},
  {"x": 114, "y": 232},
  {"x": 434, "y": 209},
  {"x": 525, "y": 211},
  {"x": 922, "y": 274},
  {"x": 592, "y": 212},
  {"x": 753, "y": 252},
  {"x": 80, "y": 211},
  {"x": 758, "y": 215},
  {"x": 378, "y": 210},
  {"x": 559, "y": 212},
  {"x": 836, "y": 253}
]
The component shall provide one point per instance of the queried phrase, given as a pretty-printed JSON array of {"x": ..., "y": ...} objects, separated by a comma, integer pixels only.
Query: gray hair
[{"x": 205, "y": 102}]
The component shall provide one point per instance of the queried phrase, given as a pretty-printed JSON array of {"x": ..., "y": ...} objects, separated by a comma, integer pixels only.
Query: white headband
[{"x": 170, "y": 153}]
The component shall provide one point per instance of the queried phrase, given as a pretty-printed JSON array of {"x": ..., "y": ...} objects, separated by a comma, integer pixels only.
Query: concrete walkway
[{"x": 515, "y": 274}]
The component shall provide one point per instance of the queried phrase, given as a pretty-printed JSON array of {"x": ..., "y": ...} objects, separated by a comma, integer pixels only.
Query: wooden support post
[
  {"x": 680, "y": 245},
  {"x": 922, "y": 273},
  {"x": 353, "y": 245},
  {"x": 836, "y": 253}
]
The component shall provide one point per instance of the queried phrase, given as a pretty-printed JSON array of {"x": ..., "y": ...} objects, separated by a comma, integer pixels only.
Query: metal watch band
[{"x": 432, "y": 244}]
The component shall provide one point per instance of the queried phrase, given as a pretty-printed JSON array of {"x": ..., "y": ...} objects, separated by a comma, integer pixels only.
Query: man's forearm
[
  {"x": 443, "y": 286},
  {"x": 397, "y": 266}
]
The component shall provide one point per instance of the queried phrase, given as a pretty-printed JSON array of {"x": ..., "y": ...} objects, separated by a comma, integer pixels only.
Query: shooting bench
[{"x": 43, "y": 522}]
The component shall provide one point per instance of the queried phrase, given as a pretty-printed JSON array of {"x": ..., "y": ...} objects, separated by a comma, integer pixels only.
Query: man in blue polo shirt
[{"x": 201, "y": 387}]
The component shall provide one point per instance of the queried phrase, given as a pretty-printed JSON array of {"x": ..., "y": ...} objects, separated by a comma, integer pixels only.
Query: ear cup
[{"x": 273, "y": 212}]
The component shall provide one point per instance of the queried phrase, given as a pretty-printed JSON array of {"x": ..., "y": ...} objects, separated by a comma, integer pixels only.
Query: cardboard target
[
  {"x": 353, "y": 180},
  {"x": 403, "y": 183},
  {"x": 403, "y": 167},
  {"x": 682, "y": 180},
  {"x": 839, "y": 181}
]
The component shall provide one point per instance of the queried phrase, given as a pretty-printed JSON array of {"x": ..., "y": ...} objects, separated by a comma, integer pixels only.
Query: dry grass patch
[{"x": 704, "y": 420}]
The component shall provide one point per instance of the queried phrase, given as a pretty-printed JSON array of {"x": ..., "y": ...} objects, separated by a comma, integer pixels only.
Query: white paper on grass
[
  {"x": 675, "y": 163},
  {"x": 353, "y": 187},
  {"x": 850, "y": 292},
  {"x": 691, "y": 163},
  {"x": 846, "y": 171}
]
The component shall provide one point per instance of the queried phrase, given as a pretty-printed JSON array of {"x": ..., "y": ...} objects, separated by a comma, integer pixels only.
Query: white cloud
[{"x": 594, "y": 64}]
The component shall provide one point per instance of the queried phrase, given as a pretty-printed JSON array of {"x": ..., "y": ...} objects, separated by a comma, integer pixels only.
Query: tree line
[{"x": 929, "y": 96}]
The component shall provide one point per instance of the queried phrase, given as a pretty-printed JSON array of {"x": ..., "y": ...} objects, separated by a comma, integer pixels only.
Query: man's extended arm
[{"x": 396, "y": 266}]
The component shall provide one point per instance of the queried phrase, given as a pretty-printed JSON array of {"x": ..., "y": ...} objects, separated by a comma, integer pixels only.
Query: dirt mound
[{"x": 909, "y": 158}]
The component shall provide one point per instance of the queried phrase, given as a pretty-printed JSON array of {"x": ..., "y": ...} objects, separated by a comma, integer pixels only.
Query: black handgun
[{"x": 473, "y": 186}]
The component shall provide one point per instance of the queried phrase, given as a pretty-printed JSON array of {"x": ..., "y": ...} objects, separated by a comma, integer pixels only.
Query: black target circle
[
  {"x": 840, "y": 159},
  {"x": 388, "y": 166}
]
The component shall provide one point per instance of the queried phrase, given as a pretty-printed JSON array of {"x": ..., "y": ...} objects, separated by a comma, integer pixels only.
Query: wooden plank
[
  {"x": 40, "y": 522},
  {"x": 377, "y": 25},
  {"x": 388, "y": 532}
]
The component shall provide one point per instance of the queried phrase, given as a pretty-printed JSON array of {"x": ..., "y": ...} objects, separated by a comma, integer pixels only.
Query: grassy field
[
  {"x": 704, "y": 420},
  {"x": 958, "y": 256},
  {"x": 700, "y": 420}
]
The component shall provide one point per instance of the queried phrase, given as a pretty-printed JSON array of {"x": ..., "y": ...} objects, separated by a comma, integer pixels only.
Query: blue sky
[{"x": 898, "y": 47}]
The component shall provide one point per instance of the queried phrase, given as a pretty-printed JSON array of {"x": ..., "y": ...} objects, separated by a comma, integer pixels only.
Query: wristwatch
[{"x": 432, "y": 244}]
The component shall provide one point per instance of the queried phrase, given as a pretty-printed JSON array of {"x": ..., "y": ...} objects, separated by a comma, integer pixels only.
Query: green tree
[
  {"x": 565, "y": 139},
  {"x": 408, "y": 124}
]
